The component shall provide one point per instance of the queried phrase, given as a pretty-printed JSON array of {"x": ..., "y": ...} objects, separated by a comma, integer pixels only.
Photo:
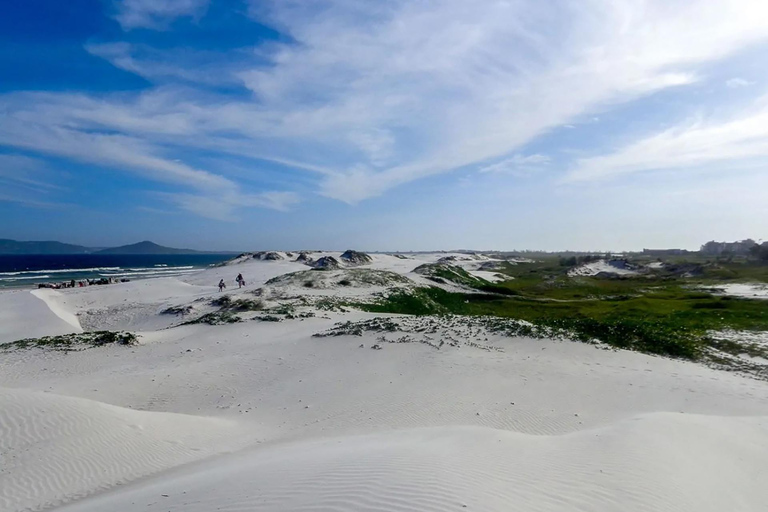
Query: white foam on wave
[
  {"x": 22, "y": 278},
  {"x": 41, "y": 274},
  {"x": 164, "y": 267},
  {"x": 61, "y": 271},
  {"x": 152, "y": 273}
]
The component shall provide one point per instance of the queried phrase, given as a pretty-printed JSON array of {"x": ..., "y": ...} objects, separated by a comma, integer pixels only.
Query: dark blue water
[{"x": 30, "y": 270}]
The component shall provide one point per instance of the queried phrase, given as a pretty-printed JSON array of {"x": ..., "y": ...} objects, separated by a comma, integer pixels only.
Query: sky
[{"x": 384, "y": 124}]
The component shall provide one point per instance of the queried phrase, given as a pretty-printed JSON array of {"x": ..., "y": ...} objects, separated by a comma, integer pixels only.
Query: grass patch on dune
[
  {"x": 331, "y": 278},
  {"x": 76, "y": 341},
  {"x": 228, "y": 303},
  {"x": 665, "y": 319},
  {"x": 737, "y": 271},
  {"x": 228, "y": 309},
  {"x": 216, "y": 318}
]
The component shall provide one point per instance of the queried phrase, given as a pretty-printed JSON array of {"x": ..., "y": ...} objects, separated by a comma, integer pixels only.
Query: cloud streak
[
  {"x": 156, "y": 14},
  {"x": 83, "y": 130},
  {"x": 519, "y": 165},
  {"x": 703, "y": 143},
  {"x": 368, "y": 96}
]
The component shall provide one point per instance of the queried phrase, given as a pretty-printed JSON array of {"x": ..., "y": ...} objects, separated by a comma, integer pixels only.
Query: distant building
[{"x": 740, "y": 248}]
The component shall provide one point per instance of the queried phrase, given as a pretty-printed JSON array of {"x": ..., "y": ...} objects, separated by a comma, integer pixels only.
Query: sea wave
[
  {"x": 152, "y": 273},
  {"x": 60, "y": 271},
  {"x": 165, "y": 267},
  {"x": 23, "y": 278}
]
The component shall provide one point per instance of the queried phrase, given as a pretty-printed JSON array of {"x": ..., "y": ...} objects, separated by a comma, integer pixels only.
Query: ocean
[{"x": 29, "y": 270}]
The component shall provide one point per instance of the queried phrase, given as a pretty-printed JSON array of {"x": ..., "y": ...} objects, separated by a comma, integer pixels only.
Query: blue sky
[{"x": 384, "y": 125}]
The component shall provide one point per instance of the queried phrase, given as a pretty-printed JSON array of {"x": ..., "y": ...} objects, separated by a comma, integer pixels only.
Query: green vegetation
[
  {"x": 268, "y": 318},
  {"x": 760, "y": 252},
  {"x": 216, "y": 318},
  {"x": 444, "y": 272},
  {"x": 657, "y": 312},
  {"x": 228, "y": 303},
  {"x": 228, "y": 309},
  {"x": 342, "y": 277},
  {"x": 177, "y": 310},
  {"x": 283, "y": 309},
  {"x": 77, "y": 341},
  {"x": 358, "y": 328},
  {"x": 419, "y": 301},
  {"x": 331, "y": 304},
  {"x": 730, "y": 271}
]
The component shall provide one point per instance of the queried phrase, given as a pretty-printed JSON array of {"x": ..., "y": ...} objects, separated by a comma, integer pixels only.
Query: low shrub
[{"x": 76, "y": 341}]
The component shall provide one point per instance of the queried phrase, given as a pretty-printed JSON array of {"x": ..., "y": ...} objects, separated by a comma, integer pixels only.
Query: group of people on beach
[
  {"x": 239, "y": 280},
  {"x": 81, "y": 284}
]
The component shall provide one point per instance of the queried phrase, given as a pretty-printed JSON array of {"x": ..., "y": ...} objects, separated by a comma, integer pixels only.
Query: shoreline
[{"x": 18, "y": 272}]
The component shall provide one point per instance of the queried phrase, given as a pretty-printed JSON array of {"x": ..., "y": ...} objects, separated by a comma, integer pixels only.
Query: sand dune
[
  {"x": 23, "y": 315},
  {"x": 483, "y": 422},
  {"x": 745, "y": 290},
  {"x": 660, "y": 462},
  {"x": 52, "y": 298},
  {"x": 613, "y": 267},
  {"x": 57, "y": 448}
]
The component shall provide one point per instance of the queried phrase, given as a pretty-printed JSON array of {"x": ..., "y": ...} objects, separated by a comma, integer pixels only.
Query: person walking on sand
[
  {"x": 240, "y": 280},
  {"x": 222, "y": 285}
]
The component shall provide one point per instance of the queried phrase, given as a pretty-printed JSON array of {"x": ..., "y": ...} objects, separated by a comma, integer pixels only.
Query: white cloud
[
  {"x": 518, "y": 165},
  {"x": 735, "y": 83},
  {"x": 76, "y": 130},
  {"x": 156, "y": 14},
  {"x": 25, "y": 171},
  {"x": 25, "y": 180},
  {"x": 182, "y": 64},
  {"x": 370, "y": 95},
  {"x": 457, "y": 83},
  {"x": 732, "y": 143},
  {"x": 223, "y": 206}
]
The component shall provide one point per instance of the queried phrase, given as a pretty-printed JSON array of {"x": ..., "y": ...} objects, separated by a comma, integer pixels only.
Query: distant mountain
[
  {"x": 146, "y": 248},
  {"x": 16, "y": 247}
]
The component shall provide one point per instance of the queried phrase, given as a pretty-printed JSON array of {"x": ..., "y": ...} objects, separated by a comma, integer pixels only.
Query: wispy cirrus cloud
[
  {"x": 156, "y": 14},
  {"x": 453, "y": 84},
  {"x": 25, "y": 171},
  {"x": 367, "y": 96},
  {"x": 735, "y": 83},
  {"x": 25, "y": 180},
  {"x": 221, "y": 206},
  {"x": 519, "y": 165},
  {"x": 82, "y": 129},
  {"x": 735, "y": 142},
  {"x": 201, "y": 67}
]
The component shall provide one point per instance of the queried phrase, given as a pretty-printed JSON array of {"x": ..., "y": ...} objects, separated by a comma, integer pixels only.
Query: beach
[{"x": 281, "y": 410}]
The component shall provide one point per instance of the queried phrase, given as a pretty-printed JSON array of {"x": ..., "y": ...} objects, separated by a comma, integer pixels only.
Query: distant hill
[
  {"x": 16, "y": 247},
  {"x": 145, "y": 247}
]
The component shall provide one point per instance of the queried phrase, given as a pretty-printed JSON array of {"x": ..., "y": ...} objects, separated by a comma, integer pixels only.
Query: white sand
[
  {"x": 22, "y": 315},
  {"x": 54, "y": 300},
  {"x": 662, "y": 462},
  {"x": 601, "y": 266},
  {"x": 744, "y": 290},
  {"x": 493, "y": 277},
  {"x": 57, "y": 448},
  {"x": 320, "y": 424}
]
